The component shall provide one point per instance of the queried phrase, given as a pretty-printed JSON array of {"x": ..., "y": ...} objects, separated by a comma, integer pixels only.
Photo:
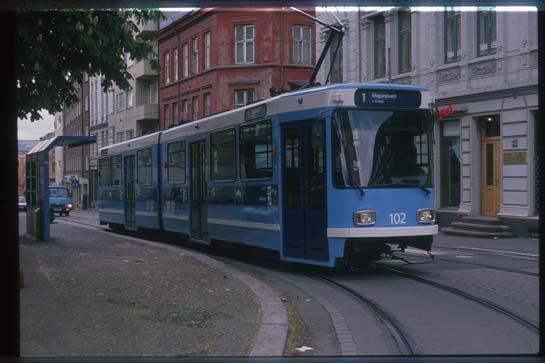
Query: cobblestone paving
[{"x": 91, "y": 294}]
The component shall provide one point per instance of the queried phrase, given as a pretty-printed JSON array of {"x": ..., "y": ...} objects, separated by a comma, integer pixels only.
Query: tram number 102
[{"x": 398, "y": 218}]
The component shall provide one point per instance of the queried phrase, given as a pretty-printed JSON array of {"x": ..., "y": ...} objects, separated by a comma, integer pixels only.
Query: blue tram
[{"x": 326, "y": 176}]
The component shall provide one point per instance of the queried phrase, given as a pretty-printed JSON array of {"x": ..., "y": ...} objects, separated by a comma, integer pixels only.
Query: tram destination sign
[{"x": 387, "y": 98}]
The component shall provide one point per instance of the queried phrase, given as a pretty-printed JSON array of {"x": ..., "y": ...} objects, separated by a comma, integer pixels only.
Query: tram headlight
[
  {"x": 425, "y": 216},
  {"x": 364, "y": 217}
]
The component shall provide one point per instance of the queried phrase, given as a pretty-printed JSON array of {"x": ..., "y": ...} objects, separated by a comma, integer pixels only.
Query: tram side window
[
  {"x": 104, "y": 169},
  {"x": 223, "y": 155},
  {"x": 176, "y": 162},
  {"x": 116, "y": 170},
  {"x": 143, "y": 170},
  {"x": 256, "y": 151}
]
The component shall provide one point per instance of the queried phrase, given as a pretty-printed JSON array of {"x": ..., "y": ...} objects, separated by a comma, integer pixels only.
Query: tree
[{"x": 55, "y": 48}]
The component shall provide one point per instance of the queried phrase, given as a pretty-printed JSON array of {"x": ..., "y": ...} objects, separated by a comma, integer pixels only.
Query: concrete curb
[{"x": 273, "y": 329}]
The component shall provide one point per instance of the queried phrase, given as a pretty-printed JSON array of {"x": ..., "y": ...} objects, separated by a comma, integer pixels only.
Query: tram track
[
  {"x": 504, "y": 269},
  {"x": 481, "y": 301},
  {"x": 393, "y": 327}
]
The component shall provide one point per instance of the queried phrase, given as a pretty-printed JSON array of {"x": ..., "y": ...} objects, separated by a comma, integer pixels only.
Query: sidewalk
[
  {"x": 513, "y": 244},
  {"x": 93, "y": 293}
]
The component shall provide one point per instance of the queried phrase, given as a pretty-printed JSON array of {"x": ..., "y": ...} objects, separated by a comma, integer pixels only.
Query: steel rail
[
  {"x": 481, "y": 301},
  {"x": 528, "y": 273},
  {"x": 393, "y": 327}
]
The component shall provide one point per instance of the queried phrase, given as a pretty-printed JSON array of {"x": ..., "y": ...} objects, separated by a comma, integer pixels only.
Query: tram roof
[{"x": 230, "y": 117}]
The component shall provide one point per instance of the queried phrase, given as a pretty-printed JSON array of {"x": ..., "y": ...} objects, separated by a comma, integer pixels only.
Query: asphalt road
[{"x": 435, "y": 321}]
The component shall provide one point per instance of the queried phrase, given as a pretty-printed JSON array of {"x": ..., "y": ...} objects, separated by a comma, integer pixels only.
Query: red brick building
[{"x": 216, "y": 59}]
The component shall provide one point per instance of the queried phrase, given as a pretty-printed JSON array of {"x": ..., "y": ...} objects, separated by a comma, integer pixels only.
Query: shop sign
[
  {"x": 518, "y": 157},
  {"x": 449, "y": 111}
]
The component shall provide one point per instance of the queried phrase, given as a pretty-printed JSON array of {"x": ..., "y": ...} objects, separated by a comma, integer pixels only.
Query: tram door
[
  {"x": 130, "y": 198},
  {"x": 199, "y": 189},
  {"x": 304, "y": 190}
]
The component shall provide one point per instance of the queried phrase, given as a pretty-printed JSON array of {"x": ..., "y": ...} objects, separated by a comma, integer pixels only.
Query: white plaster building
[
  {"x": 481, "y": 64},
  {"x": 119, "y": 115},
  {"x": 59, "y": 156}
]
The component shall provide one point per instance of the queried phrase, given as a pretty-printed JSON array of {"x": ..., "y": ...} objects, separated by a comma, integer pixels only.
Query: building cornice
[{"x": 489, "y": 95}]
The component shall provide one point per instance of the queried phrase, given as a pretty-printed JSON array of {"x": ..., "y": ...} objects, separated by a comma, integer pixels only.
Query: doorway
[
  {"x": 130, "y": 195},
  {"x": 304, "y": 190},
  {"x": 199, "y": 189},
  {"x": 490, "y": 179}
]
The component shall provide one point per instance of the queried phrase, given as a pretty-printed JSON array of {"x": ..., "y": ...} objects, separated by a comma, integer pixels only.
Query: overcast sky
[{"x": 27, "y": 130}]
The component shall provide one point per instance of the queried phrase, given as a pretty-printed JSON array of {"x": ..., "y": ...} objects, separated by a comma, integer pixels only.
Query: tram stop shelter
[{"x": 38, "y": 214}]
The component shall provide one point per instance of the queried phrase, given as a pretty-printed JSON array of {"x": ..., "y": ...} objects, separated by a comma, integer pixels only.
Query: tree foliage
[{"x": 55, "y": 49}]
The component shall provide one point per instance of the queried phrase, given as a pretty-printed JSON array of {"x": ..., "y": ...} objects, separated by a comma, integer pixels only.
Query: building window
[
  {"x": 301, "y": 44},
  {"x": 380, "y": 46},
  {"x": 450, "y": 164},
  {"x": 110, "y": 102},
  {"x": 143, "y": 169},
  {"x": 176, "y": 162},
  {"x": 336, "y": 60},
  {"x": 243, "y": 97},
  {"x": 130, "y": 98},
  {"x": 486, "y": 30},
  {"x": 130, "y": 134},
  {"x": 175, "y": 64},
  {"x": 195, "y": 107},
  {"x": 256, "y": 151},
  {"x": 116, "y": 170},
  {"x": 404, "y": 22},
  {"x": 207, "y": 104},
  {"x": 120, "y": 101},
  {"x": 222, "y": 155},
  {"x": 195, "y": 56},
  {"x": 244, "y": 44},
  {"x": 185, "y": 55},
  {"x": 119, "y": 136},
  {"x": 153, "y": 94},
  {"x": 206, "y": 50},
  {"x": 166, "y": 112},
  {"x": 175, "y": 119},
  {"x": 104, "y": 172},
  {"x": 452, "y": 35},
  {"x": 167, "y": 68},
  {"x": 185, "y": 110}
]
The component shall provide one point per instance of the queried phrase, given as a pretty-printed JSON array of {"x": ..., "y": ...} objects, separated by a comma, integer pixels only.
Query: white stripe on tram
[
  {"x": 382, "y": 231},
  {"x": 230, "y": 222}
]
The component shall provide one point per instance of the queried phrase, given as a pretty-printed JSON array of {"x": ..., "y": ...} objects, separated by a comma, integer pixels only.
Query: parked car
[
  {"x": 60, "y": 200},
  {"x": 22, "y": 203}
]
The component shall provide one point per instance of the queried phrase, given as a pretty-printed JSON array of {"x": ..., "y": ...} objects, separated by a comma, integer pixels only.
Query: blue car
[{"x": 60, "y": 200}]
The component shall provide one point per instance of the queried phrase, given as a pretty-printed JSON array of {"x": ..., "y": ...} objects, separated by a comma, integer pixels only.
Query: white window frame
[
  {"x": 299, "y": 43},
  {"x": 185, "y": 109},
  {"x": 207, "y": 50},
  {"x": 175, "y": 64},
  {"x": 120, "y": 101},
  {"x": 167, "y": 68},
  {"x": 195, "y": 104},
  {"x": 185, "y": 55},
  {"x": 245, "y": 93},
  {"x": 175, "y": 113},
  {"x": 195, "y": 55},
  {"x": 244, "y": 42},
  {"x": 207, "y": 102}
]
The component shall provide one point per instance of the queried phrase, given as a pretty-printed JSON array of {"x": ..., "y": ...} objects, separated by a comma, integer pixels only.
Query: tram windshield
[{"x": 382, "y": 148}]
